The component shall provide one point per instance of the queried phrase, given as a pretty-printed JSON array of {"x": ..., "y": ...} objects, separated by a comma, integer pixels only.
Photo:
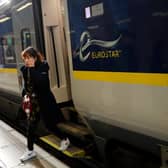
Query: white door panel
[{"x": 56, "y": 49}]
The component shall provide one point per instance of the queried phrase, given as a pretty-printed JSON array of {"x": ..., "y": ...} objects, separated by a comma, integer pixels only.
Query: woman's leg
[{"x": 32, "y": 126}]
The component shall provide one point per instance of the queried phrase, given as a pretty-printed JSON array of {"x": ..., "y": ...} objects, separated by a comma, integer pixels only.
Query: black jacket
[{"x": 39, "y": 81}]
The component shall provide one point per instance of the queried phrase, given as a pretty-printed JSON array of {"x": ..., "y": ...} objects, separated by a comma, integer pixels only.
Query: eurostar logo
[{"x": 86, "y": 41}]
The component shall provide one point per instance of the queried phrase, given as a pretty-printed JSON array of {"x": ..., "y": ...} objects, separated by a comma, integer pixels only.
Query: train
[{"x": 108, "y": 72}]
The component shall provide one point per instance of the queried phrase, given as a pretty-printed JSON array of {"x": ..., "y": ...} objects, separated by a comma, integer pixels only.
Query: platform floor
[{"x": 13, "y": 145}]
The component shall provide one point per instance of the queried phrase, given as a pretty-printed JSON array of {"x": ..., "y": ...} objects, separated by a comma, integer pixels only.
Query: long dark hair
[{"x": 32, "y": 52}]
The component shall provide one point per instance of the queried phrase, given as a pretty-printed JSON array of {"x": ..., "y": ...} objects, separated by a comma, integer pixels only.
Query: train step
[
  {"x": 75, "y": 130},
  {"x": 70, "y": 114},
  {"x": 54, "y": 142}
]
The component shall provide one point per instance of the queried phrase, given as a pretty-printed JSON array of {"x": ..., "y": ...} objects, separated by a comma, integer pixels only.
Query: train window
[
  {"x": 87, "y": 12},
  {"x": 17, "y": 31},
  {"x": 94, "y": 10},
  {"x": 97, "y": 9},
  {"x": 9, "y": 51},
  {"x": 25, "y": 38}
]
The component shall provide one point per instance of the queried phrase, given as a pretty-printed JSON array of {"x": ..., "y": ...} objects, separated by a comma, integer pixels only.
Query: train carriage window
[
  {"x": 25, "y": 38},
  {"x": 17, "y": 31},
  {"x": 87, "y": 12}
]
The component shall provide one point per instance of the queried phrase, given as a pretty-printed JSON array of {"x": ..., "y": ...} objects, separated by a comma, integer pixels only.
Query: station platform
[{"x": 13, "y": 145}]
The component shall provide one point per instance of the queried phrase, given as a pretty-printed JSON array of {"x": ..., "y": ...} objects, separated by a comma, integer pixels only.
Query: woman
[{"x": 43, "y": 103}]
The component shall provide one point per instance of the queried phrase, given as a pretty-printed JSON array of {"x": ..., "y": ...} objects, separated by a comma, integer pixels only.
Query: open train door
[
  {"x": 56, "y": 50},
  {"x": 75, "y": 126}
]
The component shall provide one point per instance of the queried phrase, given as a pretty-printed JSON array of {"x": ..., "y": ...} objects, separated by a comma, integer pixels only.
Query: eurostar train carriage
[{"x": 108, "y": 71}]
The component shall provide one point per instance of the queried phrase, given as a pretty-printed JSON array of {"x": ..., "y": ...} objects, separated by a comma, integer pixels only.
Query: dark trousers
[
  {"x": 32, "y": 126},
  {"x": 50, "y": 124}
]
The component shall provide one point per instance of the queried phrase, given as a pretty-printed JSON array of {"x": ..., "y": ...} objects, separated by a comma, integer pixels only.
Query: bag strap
[{"x": 29, "y": 82}]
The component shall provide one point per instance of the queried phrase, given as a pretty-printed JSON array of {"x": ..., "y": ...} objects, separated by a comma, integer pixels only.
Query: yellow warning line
[
  {"x": 8, "y": 70},
  {"x": 80, "y": 153},
  {"x": 49, "y": 142}
]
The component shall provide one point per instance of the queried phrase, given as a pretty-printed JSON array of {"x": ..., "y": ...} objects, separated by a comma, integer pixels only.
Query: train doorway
[{"x": 56, "y": 49}]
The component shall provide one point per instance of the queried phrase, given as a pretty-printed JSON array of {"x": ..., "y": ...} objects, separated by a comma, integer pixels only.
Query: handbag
[
  {"x": 27, "y": 105},
  {"x": 21, "y": 115},
  {"x": 30, "y": 103}
]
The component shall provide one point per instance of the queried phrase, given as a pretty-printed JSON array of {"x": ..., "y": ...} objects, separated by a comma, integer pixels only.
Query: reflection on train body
[{"x": 9, "y": 80}]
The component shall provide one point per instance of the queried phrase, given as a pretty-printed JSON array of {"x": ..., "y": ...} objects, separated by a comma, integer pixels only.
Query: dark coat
[{"x": 49, "y": 110}]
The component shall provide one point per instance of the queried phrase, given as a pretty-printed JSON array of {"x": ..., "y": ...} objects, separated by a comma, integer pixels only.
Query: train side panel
[{"x": 120, "y": 69}]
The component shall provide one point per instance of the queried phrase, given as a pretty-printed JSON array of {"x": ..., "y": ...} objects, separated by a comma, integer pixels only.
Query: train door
[
  {"x": 74, "y": 126},
  {"x": 25, "y": 38},
  {"x": 56, "y": 49}
]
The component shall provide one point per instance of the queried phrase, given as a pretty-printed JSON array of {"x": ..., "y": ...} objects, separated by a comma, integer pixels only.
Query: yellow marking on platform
[
  {"x": 8, "y": 70},
  {"x": 79, "y": 153}
]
